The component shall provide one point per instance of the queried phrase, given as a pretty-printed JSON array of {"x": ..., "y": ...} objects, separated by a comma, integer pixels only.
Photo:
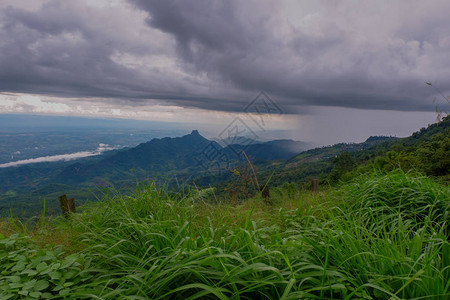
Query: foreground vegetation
[{"x": 381, "y": 236}]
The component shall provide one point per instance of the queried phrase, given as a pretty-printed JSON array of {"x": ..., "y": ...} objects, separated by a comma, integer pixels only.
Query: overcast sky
[{"x": 334, "y": 70}]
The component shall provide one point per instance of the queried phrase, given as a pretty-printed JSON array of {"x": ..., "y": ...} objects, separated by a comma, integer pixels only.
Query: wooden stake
[
  {"x": 71, "y": 203},
  {"x": 265, "y": 193},
  {"x": 233, "y": 197},
  {"x": 67, "y": 205},
  {"x": 315, "y": 186}
]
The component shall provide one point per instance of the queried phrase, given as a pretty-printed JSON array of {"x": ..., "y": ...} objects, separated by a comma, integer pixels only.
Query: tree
[{"x": 343, "y": 163}]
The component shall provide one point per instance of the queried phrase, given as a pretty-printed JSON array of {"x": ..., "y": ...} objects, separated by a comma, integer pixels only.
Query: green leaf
[
  {"x": 29, "y": 272},
  {"x": 55, "y": 275},
  {"x": 2, "y": 237},
  {"x": 14, "y": 278},
  {"x": 64, "y": 292},
  {"x": 29, "y": 284},
  {"x": 58, "y": 287},
  {"x": 7, "y": 242},
  {"x": 6, "y": 296},
  {"x": 41, "y": 285},
  {"x": 16, "y": 285},
  {"x": 20, "y": 257},
  {"x": 46, "y": 296},
  {"x": 70, "y": 274},
  {"x": 35, "y": 294},
  {"x": 70, "y": 260},
  {"x": 41, "y": 267},
  {"x": 46, "y": 257},
  {"x": 20, "y": 266}
]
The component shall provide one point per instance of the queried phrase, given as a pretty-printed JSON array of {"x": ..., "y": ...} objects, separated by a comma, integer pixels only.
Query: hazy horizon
[{"x": 10, "y": 123}]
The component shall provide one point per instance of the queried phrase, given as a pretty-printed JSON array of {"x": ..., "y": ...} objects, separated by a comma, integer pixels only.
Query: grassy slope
[{"x": 378, "y": 237}]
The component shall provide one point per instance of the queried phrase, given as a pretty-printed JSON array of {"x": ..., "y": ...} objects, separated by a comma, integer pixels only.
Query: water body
[{"x": 62, "y": 157}]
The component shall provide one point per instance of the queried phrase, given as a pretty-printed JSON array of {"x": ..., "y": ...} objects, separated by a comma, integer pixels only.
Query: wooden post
[
  {"x": 71, "y": 203},
  {"x": 233, "y": 197},
  {"x": 315, "y": 186},
  {"x": 265, "y": 193},
  {"x": 67, "y": 205}
]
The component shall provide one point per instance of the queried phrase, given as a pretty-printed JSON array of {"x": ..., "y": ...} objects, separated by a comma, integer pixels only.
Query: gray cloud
[
  {"x": 62, "y": 49},
  {"x": 333, "y": 64},
  {"x": 218, "y": 54}
]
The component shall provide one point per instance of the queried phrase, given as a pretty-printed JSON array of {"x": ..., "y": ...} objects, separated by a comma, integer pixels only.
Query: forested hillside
[{"x": 426, "y": 151}]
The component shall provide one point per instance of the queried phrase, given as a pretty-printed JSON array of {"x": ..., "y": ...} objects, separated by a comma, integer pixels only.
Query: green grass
[{"x": 378, "y": 237}]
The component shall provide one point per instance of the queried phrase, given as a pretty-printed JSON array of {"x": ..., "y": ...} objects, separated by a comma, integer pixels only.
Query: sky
[{"x": 331, "y": 71}]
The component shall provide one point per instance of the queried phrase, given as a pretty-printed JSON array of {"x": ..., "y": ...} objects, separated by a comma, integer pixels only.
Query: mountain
[
  {"x": 189, "y": 154},
  {"x": 334, "y": 150},
  {"x": 158, "y": 156},
  {"x": 272, "y": 150}
]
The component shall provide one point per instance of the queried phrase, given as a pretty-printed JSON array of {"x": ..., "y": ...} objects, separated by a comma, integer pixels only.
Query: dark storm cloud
[
  {"x": 221, "y": 53},
  {"x": 57, "y": 51},
  {"x": 51, "y": 51},
  {"x": 241, "y": 44}
]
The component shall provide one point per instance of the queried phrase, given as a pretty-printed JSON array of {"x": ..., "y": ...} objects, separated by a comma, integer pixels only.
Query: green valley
[{"x": 378, "y": 229}]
